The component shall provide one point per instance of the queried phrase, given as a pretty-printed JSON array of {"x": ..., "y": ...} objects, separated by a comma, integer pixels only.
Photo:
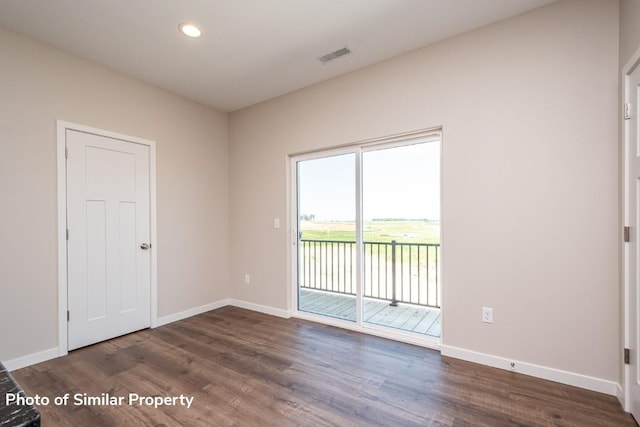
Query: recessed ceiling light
[{"x": 189, "y": 30}]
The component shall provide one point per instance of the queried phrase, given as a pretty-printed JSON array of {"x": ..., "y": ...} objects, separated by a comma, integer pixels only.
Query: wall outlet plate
[{"x": 487, "y": 314}]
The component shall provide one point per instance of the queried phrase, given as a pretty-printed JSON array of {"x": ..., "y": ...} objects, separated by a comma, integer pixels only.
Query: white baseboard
[
  {"x": 260, "y": 308},
  {"x": 190, "y": 312},
  {"x": 620, "y": 396},
  {"x": 551, "y": 374},
  {"x": 31, "y": 359}
]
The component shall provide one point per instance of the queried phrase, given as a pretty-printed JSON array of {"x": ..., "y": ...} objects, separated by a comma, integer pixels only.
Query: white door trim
[
  {"x": 633, "y": 63},
  {"x": 62, "y": 127}
]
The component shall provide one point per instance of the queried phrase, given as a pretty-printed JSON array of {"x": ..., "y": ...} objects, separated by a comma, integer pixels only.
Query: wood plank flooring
[
  {"x": 248, "y": 369},
  {"x": 412, "y": 318}
]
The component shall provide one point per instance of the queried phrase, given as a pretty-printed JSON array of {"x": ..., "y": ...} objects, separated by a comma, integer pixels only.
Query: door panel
[
  {"x": 401, "y": 233},
  {"x": 96, "y": 287},
  {"x": 110, "y": 169},
  {"x": 327, "y": 236},
  {"x": 127, "y": 252},
  {"x": 108, "y": 217}
]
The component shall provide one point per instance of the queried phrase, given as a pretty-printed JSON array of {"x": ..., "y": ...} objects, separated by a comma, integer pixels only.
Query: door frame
[
  {"x": 629, "y": 68},
  {"x": 62, "y": 127},
  {"x": 357, "y": 148}
]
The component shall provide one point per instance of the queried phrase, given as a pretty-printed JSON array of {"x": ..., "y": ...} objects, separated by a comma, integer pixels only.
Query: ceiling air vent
[{"x": 333, "y": 55}]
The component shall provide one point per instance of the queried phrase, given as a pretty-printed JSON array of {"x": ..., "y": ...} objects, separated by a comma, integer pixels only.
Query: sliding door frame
[{"x": 356, "y": 148}]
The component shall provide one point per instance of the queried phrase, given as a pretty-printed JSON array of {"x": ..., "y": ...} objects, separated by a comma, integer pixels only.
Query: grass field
[{"x": 402, "y": 231}]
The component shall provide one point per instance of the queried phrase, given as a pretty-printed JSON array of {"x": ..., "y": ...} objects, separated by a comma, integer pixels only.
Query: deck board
[
  {"x": 407, "y": 317},
  {"x": 428, "y": 323}
]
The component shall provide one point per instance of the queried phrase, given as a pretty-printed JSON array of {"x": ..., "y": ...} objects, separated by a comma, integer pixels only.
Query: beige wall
[
  {"x": 528, "y": 107},
  {"x": 38, "y": 85},
  {"x": 629, "y": 29}
]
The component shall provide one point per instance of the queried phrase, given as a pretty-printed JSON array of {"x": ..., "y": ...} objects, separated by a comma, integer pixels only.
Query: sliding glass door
[
  {"x": 401, "y": 237},
  {"x": 368, "y": 235},
  {"x": 327, "y": 236}
]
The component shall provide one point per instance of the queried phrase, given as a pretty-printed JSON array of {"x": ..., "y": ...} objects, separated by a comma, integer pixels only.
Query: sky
[{"x": 400, "y": 182}]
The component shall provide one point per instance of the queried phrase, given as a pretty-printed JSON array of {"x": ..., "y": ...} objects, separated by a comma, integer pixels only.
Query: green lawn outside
[{"x": 402, "y": 231}]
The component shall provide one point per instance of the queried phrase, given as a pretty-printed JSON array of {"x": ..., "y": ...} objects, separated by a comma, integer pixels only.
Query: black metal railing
[{"x": 396, "y": 272}]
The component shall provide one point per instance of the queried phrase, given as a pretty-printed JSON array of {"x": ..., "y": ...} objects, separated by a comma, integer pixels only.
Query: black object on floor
[{"x": 12, "y": 414}]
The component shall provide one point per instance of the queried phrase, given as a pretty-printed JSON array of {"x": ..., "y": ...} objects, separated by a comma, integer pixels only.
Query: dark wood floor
[{"x": 245, "y": 369}]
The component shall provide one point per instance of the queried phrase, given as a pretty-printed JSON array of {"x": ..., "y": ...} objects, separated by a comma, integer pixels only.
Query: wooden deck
[{"x": 412, "y": 318}]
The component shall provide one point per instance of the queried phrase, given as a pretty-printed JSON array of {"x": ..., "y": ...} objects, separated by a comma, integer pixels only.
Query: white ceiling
[{"x": 250, "y": 50}]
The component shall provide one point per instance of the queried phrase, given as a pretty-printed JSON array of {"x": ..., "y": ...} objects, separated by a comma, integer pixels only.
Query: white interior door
[
  {"x": 108, "y": 248},
  {"x": 633, "y": 249}
]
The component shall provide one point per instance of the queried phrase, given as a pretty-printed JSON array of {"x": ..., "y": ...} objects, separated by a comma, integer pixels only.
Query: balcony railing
[{"x": 396, "y": 272}]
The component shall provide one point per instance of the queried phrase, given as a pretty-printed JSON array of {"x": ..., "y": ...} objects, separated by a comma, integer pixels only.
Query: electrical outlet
[
  {"x": 247, "y": 279},
  {"x": 487, "y": 314}
]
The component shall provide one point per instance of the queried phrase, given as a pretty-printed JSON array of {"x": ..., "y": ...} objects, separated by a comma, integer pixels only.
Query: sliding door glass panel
[
  {"x": 401, "y": 237},
  {"x": 327, "y": 236}
]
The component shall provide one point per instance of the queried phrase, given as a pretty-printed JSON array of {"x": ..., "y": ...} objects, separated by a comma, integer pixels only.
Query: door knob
[{"x": 145, "y": 246}]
